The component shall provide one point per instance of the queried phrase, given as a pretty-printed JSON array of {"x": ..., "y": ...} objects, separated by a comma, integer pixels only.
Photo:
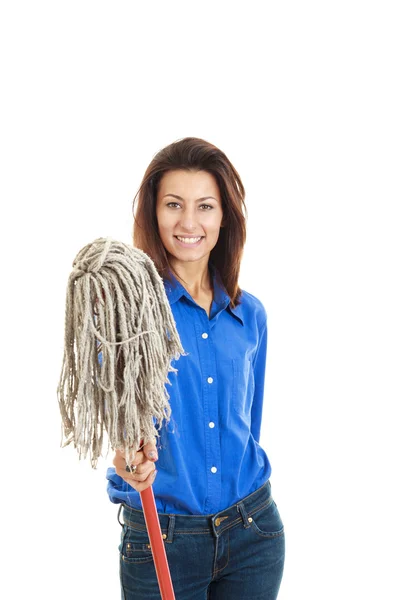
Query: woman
[{"x": 223, "y": 534}]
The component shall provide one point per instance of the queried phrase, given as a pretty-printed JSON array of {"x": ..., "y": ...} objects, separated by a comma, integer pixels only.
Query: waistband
[{"x": 215, "y": 524}]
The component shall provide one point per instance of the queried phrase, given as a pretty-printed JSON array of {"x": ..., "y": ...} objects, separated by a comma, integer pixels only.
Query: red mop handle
[{"x": 157, "y": 544}]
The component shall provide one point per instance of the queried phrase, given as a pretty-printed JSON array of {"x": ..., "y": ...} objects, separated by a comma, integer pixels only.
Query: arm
[{"x": 259, "y": 364}]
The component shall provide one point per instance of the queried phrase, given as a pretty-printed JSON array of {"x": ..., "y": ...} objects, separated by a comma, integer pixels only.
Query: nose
[{"x": 188, "y": 221}]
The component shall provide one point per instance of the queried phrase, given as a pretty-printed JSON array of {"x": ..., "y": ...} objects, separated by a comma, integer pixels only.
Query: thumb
[{"x": 150, "y": 451}]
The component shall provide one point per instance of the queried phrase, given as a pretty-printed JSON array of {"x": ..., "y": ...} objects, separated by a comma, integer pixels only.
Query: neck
[{"x": 195, "y": 277}]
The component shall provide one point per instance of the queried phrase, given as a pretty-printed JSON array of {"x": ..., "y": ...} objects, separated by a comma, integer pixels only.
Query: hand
[{"x": 146, "y": 469}]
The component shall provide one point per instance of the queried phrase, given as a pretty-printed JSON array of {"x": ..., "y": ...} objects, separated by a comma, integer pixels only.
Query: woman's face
[{"x": 188, "y": 208}]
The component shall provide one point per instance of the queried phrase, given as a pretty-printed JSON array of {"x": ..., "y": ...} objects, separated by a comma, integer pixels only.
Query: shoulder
[{"x": 253, "y": 308}]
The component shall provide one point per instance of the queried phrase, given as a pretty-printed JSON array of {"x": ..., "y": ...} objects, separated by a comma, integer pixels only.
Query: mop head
[{"x": 120, "y": 338}]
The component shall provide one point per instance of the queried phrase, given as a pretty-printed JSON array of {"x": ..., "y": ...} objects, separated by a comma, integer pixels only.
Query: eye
[{"x": 208, "y": 206}]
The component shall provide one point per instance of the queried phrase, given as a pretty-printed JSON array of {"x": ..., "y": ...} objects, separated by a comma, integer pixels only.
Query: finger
[
  {"x": 122, "y": 467},
  {"x": 140, "y": 477},
  {"x": 141, "y": 486},
  {"x": 132, "y": 469},
  {"x": 150, "y": 450},
  {"x": 119, "y": 460}
]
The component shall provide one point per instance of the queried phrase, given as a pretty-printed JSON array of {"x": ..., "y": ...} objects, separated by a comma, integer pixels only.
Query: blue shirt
[{"x": 209, "y": 455}]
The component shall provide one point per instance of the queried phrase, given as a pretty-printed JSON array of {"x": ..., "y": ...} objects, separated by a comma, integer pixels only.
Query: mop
[{"x": 120, "y": 338}]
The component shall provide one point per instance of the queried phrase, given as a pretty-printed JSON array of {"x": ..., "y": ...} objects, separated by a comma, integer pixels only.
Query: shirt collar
[{"x": 175, "y": 291}]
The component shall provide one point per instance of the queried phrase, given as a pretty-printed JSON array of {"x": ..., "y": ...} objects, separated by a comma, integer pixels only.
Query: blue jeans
[{"x": 234, "y": 554}]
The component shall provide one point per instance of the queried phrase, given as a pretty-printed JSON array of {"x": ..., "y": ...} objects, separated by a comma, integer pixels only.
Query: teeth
[{"x": 189, "y": 240}]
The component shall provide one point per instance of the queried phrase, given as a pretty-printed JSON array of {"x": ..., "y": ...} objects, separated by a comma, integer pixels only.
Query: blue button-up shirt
[{"x": 209, "y": 455}]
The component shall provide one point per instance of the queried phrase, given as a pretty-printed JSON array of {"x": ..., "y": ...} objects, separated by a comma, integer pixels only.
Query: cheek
[
  {"x": 165, "y": 220},
  {"x": 166, "y": 236},
  {"x": 163, "y": 234},
  {"x": 214, "y": 227},
  {"x": 163, "y": 224}
]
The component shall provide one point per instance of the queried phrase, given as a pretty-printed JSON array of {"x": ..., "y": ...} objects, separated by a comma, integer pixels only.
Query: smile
[{"x": 189, "y": 241}]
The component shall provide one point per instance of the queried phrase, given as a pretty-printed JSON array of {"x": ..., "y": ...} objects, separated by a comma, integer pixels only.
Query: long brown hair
[{"x": 195, "y": 154}]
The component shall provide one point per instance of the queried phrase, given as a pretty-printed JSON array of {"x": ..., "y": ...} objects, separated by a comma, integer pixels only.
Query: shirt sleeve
[{"x": 259, "y": 366}]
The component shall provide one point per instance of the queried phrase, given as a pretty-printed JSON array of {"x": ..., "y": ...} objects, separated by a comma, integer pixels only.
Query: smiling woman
[
  {"x": 198, "y": 192},
  {"x": 223, "y": 533}
]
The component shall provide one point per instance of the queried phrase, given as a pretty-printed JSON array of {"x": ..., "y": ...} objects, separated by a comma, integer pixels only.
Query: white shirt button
[
  {"x": 211, "y": 424},
  {"x": 213, "y": 469},
  {"x": 210, "y": 380},
  {"x": 204, "y": 335}
]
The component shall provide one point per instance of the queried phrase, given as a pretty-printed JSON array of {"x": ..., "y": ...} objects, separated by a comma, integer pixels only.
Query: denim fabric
[{"x": 238, "y": 553}]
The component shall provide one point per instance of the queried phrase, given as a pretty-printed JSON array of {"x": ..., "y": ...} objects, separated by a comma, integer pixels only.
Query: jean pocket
[
  {"x": 266, "y": 520},
  {"x": 134, "y": 546}
]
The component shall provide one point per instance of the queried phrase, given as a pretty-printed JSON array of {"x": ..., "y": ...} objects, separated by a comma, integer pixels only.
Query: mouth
[{"x": 189, "y": 241}]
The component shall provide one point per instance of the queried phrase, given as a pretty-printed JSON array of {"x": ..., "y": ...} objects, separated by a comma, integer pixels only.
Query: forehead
[{"x": 188, "y": 184}]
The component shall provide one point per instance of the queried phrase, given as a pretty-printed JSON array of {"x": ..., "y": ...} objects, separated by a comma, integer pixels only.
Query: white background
[{"x": 303, "y": 97}]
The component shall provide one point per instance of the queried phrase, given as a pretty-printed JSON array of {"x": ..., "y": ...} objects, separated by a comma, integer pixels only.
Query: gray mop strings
[{"x": 115, "y": 291}]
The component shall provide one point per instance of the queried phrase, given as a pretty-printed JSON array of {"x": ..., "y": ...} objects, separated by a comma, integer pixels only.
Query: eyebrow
[{"x": 198, "y": 199}]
